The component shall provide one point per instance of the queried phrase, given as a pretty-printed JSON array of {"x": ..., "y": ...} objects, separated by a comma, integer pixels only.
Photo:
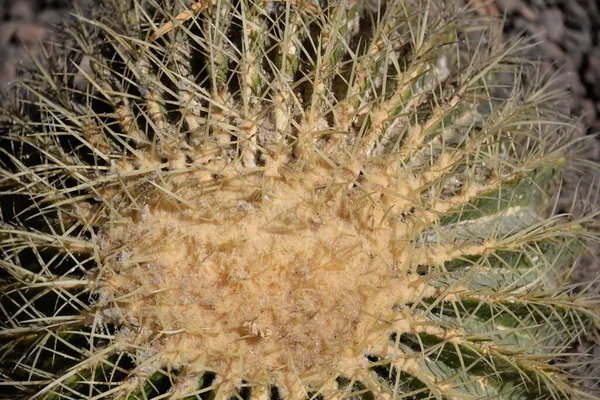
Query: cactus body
[{"x": 266, "y": 200}]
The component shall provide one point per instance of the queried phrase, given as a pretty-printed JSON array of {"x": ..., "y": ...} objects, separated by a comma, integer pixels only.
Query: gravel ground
[
  {"x": 24, "y": 25},
  {"x": 568, "y": 32}
]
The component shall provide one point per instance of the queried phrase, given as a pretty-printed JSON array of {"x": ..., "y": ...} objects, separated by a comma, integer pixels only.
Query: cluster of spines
[{"x": 153, "y": 101}]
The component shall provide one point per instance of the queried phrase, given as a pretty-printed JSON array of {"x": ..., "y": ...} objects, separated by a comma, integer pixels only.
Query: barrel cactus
[{"x": 305, "y": 200}]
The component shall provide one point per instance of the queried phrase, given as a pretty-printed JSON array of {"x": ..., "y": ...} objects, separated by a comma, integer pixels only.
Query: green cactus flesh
[{"x": 264, "y": 200}]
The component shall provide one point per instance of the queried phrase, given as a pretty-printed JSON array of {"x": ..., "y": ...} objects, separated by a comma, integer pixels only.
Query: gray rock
[
  {"x": 7, "y": 31},
  {"x": 51, "y": 16},
  {"x": 576, "y": 16},
  {"x": 577, "y": 44},
  {"x": 22, "y": 10},
  {"x": 32, "y": 34},
  {"x": 508, "y": 6},
  {"x": 591, "y": 76},
  {"x": 554, "y": 22}
]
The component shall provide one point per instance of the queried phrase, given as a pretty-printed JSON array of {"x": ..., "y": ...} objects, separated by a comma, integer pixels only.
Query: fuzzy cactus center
[{"x": 281, "y": 276}]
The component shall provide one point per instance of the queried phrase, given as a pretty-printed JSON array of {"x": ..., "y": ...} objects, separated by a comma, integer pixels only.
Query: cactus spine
[{"x": 264, "y": 200}]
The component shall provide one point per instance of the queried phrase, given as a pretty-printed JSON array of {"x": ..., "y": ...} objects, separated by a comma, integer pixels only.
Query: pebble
[
  {"x": 577, "y": 45},
  {"x": 554, "y": 22},
  {"x": 592, "y": 72},
  {"x": 50, "y": 16},
  {"x": 576, "y": 16},
  {"x": 80, "y": 81},
  {"x": 30, "y": 34},
  {"x": 508, "y": 6},
  {"x": 22, "y": 10},
  {"x": 590, "y": 113},
  {"x": 7, "y": 30}
]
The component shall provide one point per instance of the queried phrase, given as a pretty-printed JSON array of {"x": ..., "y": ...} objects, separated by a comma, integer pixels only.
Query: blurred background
[
  {"x": 569, "y": 32},
  {"x": 26, "y": 24}
]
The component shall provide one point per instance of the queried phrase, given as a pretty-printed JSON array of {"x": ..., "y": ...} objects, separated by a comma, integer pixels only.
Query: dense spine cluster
[{"x": 296, "y": 199}]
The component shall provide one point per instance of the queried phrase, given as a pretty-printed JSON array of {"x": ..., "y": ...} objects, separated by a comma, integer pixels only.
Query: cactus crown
[{"x": 259, "y": 199}]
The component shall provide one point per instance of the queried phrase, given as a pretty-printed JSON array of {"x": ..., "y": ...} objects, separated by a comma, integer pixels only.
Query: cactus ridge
[{"x": 266, "y": 200}]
